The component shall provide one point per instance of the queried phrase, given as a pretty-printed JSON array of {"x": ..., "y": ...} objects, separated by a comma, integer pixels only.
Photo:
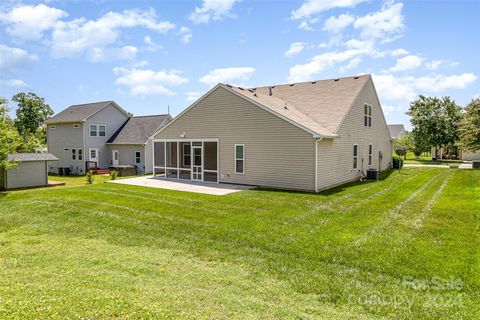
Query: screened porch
[{"x": 195, "y": 160}]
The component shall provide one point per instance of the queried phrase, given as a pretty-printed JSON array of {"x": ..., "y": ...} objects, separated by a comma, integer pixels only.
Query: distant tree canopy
[
  {"x": 31, "y": 113},
  {"x": 435, "y": 122},
  {"x": 10, "y": 140},
  {"x": 470, "y": 126}
]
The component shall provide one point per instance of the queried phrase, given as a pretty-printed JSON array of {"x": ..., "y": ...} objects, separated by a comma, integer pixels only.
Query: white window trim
[
  {"x": 354, "y": 157},
  {"x": 370, "y": 154},
  {"x": 235, "y": 158},
  {"x": 79, "y": 152},
  {"x": 97, "y": 130},
  {"x": 90, "y": 154},
  {"x": 367, "y": 115},
  {"x": 73, "y": 154},
  {"x": 140, "y": 157}
]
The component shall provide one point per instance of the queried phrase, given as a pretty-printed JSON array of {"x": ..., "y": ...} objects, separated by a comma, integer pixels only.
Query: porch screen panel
[
  {"x": 159, "y": 149},
  {"x": 210, "y": 155},
  {"x": 172, "y": 154}
]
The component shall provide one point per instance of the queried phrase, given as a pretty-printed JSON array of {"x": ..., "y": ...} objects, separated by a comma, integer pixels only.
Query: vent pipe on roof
[
  {"x": 285, "y": 107},
  {"x": 255, "y": 92},
  {"x": 269, "y": 91},
  {"x": 356, "y": 77}
]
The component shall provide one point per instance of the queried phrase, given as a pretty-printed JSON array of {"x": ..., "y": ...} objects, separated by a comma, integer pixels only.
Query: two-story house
[{"x": 100, "y": 135}]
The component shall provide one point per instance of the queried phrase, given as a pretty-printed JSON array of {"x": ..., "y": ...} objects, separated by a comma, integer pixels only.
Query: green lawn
[
  {"x": 405, "y": 247},
  {"x": 427, "y": 159}
]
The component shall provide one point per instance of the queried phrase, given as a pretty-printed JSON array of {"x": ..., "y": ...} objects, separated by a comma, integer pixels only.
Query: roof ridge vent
[
  {"x": 270, "y": 91},
  {"x": 356, "y": 77},
  {"x": 336, "y": 79},
  {"x": 313, "y": 82},
  {"x": 240, "y": 88},
  {"x": 229, "y": 85},
  {"x": 292, "y": 84},
  {"x": 285, "y": 107},
  {"x": 255, "y": 92}
]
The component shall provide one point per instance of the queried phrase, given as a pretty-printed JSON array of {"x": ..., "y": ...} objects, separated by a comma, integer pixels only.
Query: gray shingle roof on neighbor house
[
  {"x": 137, "y": 130},
  {"x": 23, "y": 157},
  {"x": 396, "y": 130},
  {"x": 80, "y": 112},
  {"x": 319, "y": 106}
]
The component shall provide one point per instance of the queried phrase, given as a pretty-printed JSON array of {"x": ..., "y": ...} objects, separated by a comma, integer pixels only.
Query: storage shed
[{"x": 32, "y": 171}]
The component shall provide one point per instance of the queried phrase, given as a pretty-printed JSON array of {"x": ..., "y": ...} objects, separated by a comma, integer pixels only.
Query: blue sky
[{"x": 147, "y": 55}]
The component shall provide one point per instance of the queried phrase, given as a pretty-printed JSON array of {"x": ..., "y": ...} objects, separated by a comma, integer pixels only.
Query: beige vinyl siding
[
  {"x": 277, "y": 153},
  {"x": 65, "y": 136},
  {"x": 27, "y": 174},
  {"x": 113, "y": 119},
  {"x": 127, "y": 155},
  {"x": 335, "y": 156}
]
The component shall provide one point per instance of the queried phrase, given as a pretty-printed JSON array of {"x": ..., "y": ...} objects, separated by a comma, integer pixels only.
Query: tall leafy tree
[
  {"x": 470, "y": 126},
  {"x": 10, "y": 140},
  {"x": 31, "y": 113},
  {"x": 435, "y": 121}
]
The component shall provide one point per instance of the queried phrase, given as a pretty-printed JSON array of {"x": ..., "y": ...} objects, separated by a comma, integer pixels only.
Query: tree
[
  {"x": 32, "y": 112},
  {"x": 435, "y": 122},
  {"x": 470, "y": 126},
  {"x": 9, "y": 138}
]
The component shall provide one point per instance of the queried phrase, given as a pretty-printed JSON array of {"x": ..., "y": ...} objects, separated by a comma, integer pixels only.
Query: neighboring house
[
  {"x": 78, "y": 137},
  {"x": 131, "y": 146},
  {"x": 396, "y": 130},
  {"x": 304, "y": 136},
  {"x": 31, "y": 171},
  {"x": 454, "y": 153}
]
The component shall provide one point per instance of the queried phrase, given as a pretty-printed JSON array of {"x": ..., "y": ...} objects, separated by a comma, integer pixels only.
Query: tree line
[
  {"x": 27, "y": 131},
  {"x": 441, "y": 123}
]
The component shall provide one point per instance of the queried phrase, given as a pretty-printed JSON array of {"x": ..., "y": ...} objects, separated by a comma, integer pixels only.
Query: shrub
[
  {"x": 90, "y": 177},
  {"x": 113, "y": 174},
  {"x": 397, "y": 162}
]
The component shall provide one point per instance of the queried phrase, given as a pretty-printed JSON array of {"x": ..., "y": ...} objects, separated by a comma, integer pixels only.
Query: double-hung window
[
  {"x": 74, "y": 154},
  {"x": 367, "y": 118},
  {"x": 137, "y": 157},
  {"x": 370, "y": 153},
  {"x": 102, "y": 130},
  {"x": 80, "y": 154},
  {"x": 355, "y": 156},
  {"x": 239, "y": 158},
  {"x": 98, "y": 130}
]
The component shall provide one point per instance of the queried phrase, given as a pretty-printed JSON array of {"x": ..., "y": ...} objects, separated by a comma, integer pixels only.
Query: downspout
[{"x": 316, "y": 163}]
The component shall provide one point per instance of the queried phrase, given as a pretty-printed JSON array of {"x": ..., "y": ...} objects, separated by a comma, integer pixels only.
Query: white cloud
[
  {"x": 390, "y": 87},
  {"x": 313, "y": 7},
  {"x": 226, "y": 75},
  {"x": 351, "y": 64},
  {"x": 144, "y": 81},
  {"x": 186, "y": 34},
  {"x": 441, "y": 82},
  {"x": 11, "y": 58},
  {"x": 337, "y": 24},
  {"x": 407, "y": 63},
  {"x": 399, "y": 52},
  {"x": 108, "y": 54},
  {"x": 79, "y": 36},
  {"x": 295, "y": 48},
  {"x": 151, "y": 45},
  {"x": 385, "y": 24},
  {"x": 16, "y": 83},
  {"x": 192, "y": 96},
  {"x": 212, "y": 10},
  {"x": 29, "y": 22}
]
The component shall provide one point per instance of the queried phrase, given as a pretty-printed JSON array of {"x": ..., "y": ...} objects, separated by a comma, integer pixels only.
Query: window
[
  {"x": 93, "y": 130},
  {"x": 53, "y": 127},
  {"x": 137, "y": 157},
  {"x": 367, "y": 119},
  {"x": 93, "y": 154},
  {"x": 355, "y": 156},
  {"x": 186, "y": 155},
  {"x": 239, "y": 158},
  {"x": 98, "y": 130},
  {"x": 370, "y": 152},
  {"x": 74, "y": 154},
  {"x": 102, "y": 130},
  {"x": 76, "y": 126},
  {"x": 80, "y": 154}
]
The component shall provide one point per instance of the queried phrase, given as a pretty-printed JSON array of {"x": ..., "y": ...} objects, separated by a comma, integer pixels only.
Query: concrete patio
[{"x": 218, "y": 189}]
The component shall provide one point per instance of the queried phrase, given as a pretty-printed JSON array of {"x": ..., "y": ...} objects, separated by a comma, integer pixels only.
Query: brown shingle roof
[
  {"x": 319, "y": 106},
  {"x": 137, "y": 130},
  {"x": 79, "y": 112}
]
